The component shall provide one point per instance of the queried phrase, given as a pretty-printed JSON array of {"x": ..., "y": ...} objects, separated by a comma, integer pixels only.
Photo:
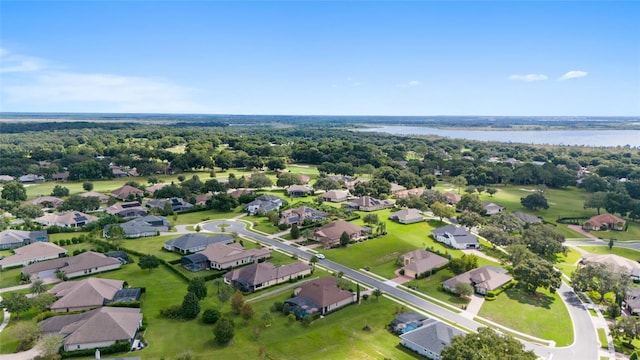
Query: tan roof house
[
  {"x": 82, "y": 264},
  {"x": 419, "y": 262},
  {"x": 84, "y": 294},
  {"x": 66, "y": 219},
  {"x": 96, "y": 328},
  {"x": 611, "y": 260},
  {"x": 335, "y": 195},
  {"x": 261, "y": 275},
  {"x": 102, "y": 197},
  {"x": 223, "y": 256},
  {"x": 38, "y": 251},
  {"x": 320, "y": 296},
  {"x": 483, "y": 279},
  {"x": 46, "y": 201},
  {"x": 124, "y": 192},
  {"x": 407, "y": 216},
  {"x": 329, "y": 235},
  {"x": 604, "y": 222},
  {"x": 299, "y": 190},
  {"x": 403, "y": 194},
  {"x": 452, "y": 198},
  {"x": 155, "y": 187},
  {"x": 368, "y": 203}
]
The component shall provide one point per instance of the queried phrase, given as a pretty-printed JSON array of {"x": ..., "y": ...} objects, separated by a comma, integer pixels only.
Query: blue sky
[{"x": 325, "y": 58}]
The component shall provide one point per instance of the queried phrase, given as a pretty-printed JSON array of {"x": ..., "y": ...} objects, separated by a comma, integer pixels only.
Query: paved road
[{"x": 584, "y": 348}]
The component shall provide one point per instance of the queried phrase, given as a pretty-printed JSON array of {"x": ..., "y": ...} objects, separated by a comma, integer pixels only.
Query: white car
[{"x": 320, "y": 256}]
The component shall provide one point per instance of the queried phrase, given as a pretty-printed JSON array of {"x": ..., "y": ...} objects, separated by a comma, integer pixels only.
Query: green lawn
[
  {"x": 624, "y": 252},
  {"x": 199, "y": 216},
  {"x": 430, "y": 286},
  {"x": 602, "y": 336},
  {"x": 566, "y": 263},
  {"x": 10, "y": 277},
  {"x": 542, "y": 315},
  {"x": 632, "y": 233},
  {"x": 261, "y": 223}
]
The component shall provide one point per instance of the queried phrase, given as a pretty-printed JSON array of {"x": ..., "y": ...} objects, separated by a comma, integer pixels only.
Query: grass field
[
  {"x": 199, "y": 216},
  {"x": 542, "y": 315},
  {"x": 430, "y": 285},
  {"x": 602, "y": 337},
  {"x": 624, "y": 252},
  {"x": 566, "y": 263}
]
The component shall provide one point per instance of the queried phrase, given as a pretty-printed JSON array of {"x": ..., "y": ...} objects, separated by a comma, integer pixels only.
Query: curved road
[{"x": 584, "y": 347}]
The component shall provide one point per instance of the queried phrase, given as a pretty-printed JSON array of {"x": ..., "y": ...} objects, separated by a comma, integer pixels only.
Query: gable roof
[
  {"x": 53, "y": 200},
  {"x": 485, "y": 277},
  {"x": 145, "y": 224},
  {"x": 433, "y": 335},
  {"x": 18, "y": 236},
  {"x": 605, "y": 219},
  {"x": 85, "y": 293},
  {"x": 100, "y": 325},
  {"x": 422, "y": 261},
  {"x": 126, "y": 190},
  {"x": 259, "y": 273},
  {"x": 299, "y": 188},
  {"x": 526, "y": 217},
  {"x": 406, "y": 214},
  {"x": 335, "y": 194},
  {"x": 335, "y": 229},
  {"x": 68, "y": 265},
  {"x": 324, "y": 292},
  {"x": 221, "y": 253},
  {"x": 36, "y": 250},
  {"x": 100, "y": 196},
  {"x": 67, "y": 218},
  {"x": 192, "y": 241},
  {"x": 461, "y": 235}
]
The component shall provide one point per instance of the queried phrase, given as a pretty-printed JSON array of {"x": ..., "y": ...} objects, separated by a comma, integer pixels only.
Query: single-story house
[
  {"x": 406, "y": 321},
  {"x": 483, "y": 279},
  {"x": 203, "y": 198},
  {"x": 46, "y": 201},
  {"x": 452, "y": 198},
  {"x": 304, "y": 178},
  {"x": 604, "y": 222},
  {"x": 34, "y": 252},
  {"x": 63, "y": 176},
  {"x": 264, "y": 203},
  {"x": 301, "y": 214},
  {"x": 102, "y": 197},
  {"x": 222, "y": 256},
  {"x": 335, "y": 195},
  {"x": 86, "y": 263},
  {"x": 239, "y": 192},
  {"x": 127, "y": 210},
  {"x": 430, "y": 338},
  {"x": 491, "y": 208},
  {"x": 31, "y": 178},
  {"x": 329, "y": 235},
  {"x": 155, "y": 187},
  {"x": 299, "y": 190},
  {"x": 84, "y": 294},
  {"x": 176, "y": 204},
  {"x": 403, "y": 194},
  {"x": 319, "y": 296},
  {"x": 625, "y": 265},
  {"x": 74, "y": 219},
  {"x": 191, "y": 243},
  {"x": 262, "y": 275},
  {"x": 397, "y": 188},
  {"x": 418, "y": 262},
  {"x": 126, "y": 192},
  {"x": 456, "y": 237},
  {"x": 10, "y": 239},
  {"x": 141, "y": 227},
  {"x": 6, "y": 178},
  {"x": 368, "y": 203},
  {"x": 632, "y": 301},
  {"x": 407, "y": 216},
  {"x": 97, "y": 328},
  {"x": 527, "y": 218}
]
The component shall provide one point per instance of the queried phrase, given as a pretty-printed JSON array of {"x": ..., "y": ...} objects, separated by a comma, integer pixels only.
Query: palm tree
[{"x": 38, "y": 287}]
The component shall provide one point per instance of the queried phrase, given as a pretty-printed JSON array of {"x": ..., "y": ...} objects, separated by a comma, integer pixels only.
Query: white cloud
[
  {"x": 13, "y": 63},
  {"x": 528, "y": 77},
  {"x": 412, "y": 83},
  {"x": 573, "y": 74},
  {"x": 44, "y": 87}
]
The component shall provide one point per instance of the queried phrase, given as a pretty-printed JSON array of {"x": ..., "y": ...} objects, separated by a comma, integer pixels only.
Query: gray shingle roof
[
  {"x": 433, "y": 335},
  {"x": 192, "y": 241},
  {"x": 461, "y": 235}
]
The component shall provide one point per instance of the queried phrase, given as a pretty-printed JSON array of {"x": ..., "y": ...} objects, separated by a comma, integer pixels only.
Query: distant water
[{"x": 596, "y": 138}]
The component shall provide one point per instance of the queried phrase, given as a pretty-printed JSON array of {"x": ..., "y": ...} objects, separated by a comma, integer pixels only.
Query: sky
[{"x": 541, "y": 58}]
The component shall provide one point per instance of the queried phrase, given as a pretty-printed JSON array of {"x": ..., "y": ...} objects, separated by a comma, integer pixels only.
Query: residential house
[
  {"x": 632, "y": 301},
  {"x": 407, "y": 216},
  {"x": 221, "y": 256},
  {"x": 191, "y": 243},
  {"x": 203, "y": 198},
  {"x": 50, "y": 202},
  {"x": 430, "y": 339},
  {"x": 127, "y": 210},
  {"x": 406, "y": 321},
  {"x": 456, "y": 237},
  {"x": 263, "y": 204},
  {"x": 31, "y": 178},
  {"x": 6, "y": 178},
  {"x": 155, "y": 187},
  {"x": 84, "y": 294},
  {"x": 299, "y": 190},
  {"x": 141, "y": 227},
  {"x": 527, "y": 218},
  {"x": 127, "y": 192},
  {"x": 397, "y": 188},
  {"x": 85, "y": 263},
  {"x": 176, "y": 204},
  {"x": 73, "y": 219},
  {"x": 102, "y": 197},
  {"x": 350, "y": 184},
  {"x": 403, "y": 194},
  {"x": 335, "y": 195},
  {"x": 329, "y": 235},
  {"x": 34, "y": 252},
  {"x": 452, "y": 198},
  {"x": 239, "y": 192},
  {"x": 97, "y": 328},
  {"x": 368, "y": 203},
  {"x": 10, "y": 239},
  {"x": 604, "y": 222},
  {"x": 63, "y": 176},
  {"x": 624, "y": 265},
  {"x": 419, "y": 262},
  {"x": 491, "y": 208},
  {"x": 262, "y": 275},
  {"x": 304, "y": 178},
  {"x": 302, "y": 214},
  {"x": 319, "y": 296},
  {"x": 483, "y": 279}
]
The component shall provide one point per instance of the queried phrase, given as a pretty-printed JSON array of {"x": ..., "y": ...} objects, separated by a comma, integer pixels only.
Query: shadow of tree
[{"x": 523, "y": 297}]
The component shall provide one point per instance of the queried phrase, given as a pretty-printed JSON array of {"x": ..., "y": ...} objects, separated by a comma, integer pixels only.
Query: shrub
[
  {"x": 283, "y": 226},
  {"x": 211, "y": 316}
]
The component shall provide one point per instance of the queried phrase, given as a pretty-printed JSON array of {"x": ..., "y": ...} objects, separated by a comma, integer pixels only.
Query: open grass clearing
[
  {"x": 195, "y": 217},
  {"x": 542, "y": 315}
]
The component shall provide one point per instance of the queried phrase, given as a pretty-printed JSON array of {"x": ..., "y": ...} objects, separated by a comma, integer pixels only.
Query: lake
[{"x": 596, "y": 138}]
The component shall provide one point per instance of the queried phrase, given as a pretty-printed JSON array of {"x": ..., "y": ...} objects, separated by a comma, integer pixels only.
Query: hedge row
[
  {"x": 494, "y": 293},
  {"x": 118, "y": 347}
]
